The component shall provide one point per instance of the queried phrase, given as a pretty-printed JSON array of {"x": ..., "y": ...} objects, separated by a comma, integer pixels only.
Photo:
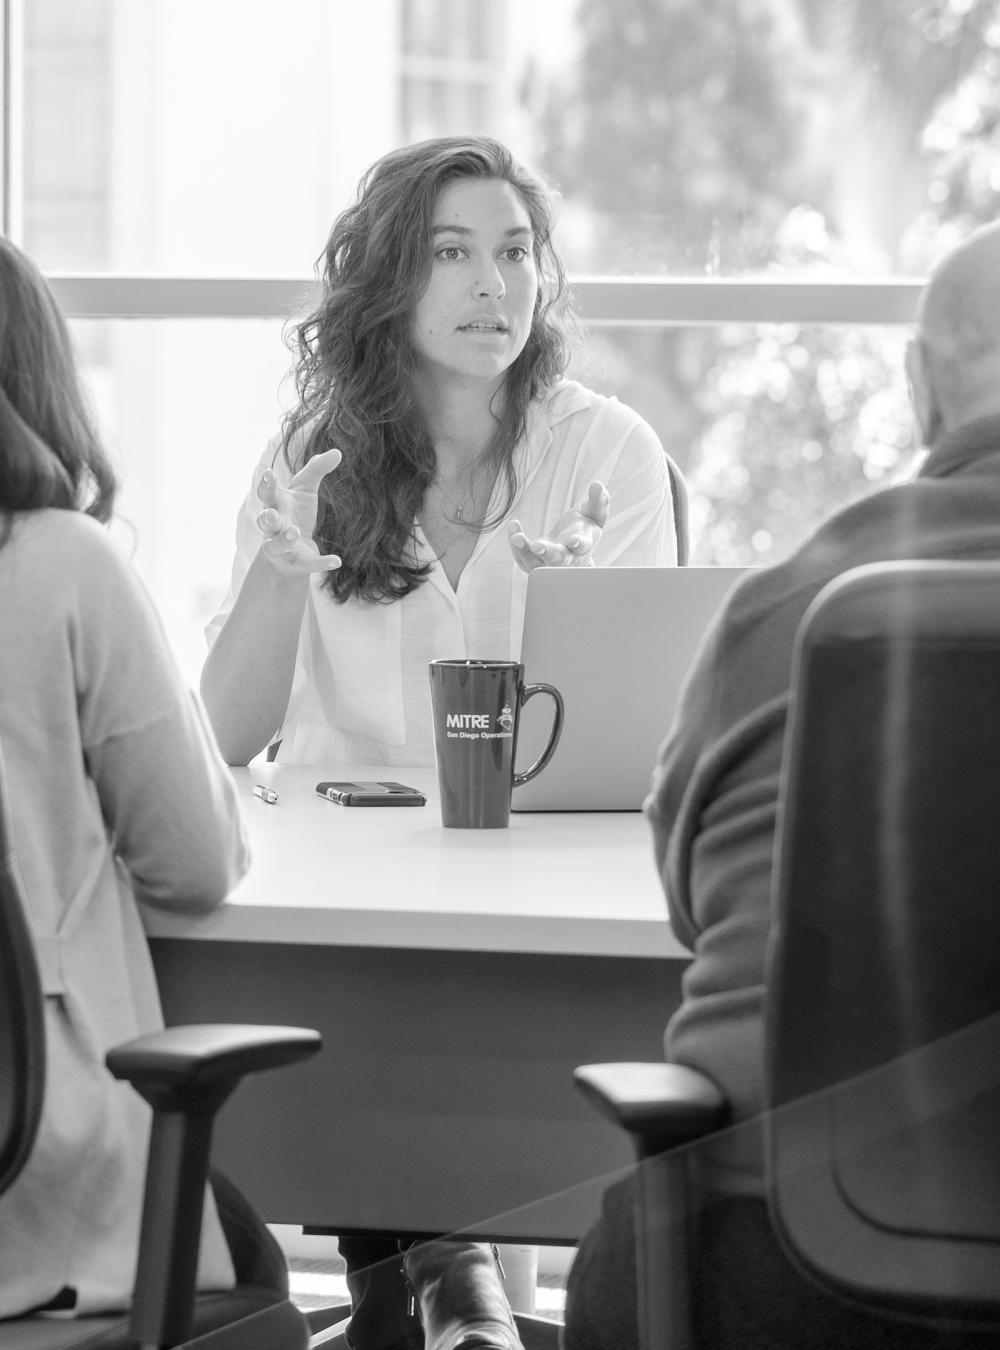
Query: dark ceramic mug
[{"x": 475, "y": 706}]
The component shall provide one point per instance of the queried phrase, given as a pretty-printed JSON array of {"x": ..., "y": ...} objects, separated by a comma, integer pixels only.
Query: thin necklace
[{"x": 459, "y": 508}]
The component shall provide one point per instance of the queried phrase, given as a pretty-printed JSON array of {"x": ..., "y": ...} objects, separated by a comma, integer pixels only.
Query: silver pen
[{"x": 266, "y": 794}]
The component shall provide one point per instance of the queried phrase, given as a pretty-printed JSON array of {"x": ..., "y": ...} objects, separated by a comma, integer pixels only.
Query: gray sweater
[
  {"x": 115, "y": 792},
  {"x": 715, "y": 790}
]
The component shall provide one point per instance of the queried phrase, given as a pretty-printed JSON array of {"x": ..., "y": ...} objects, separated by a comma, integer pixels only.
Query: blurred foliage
[
  {"x": 672, "y": 139},
  {"x": 812, "y": 138}
]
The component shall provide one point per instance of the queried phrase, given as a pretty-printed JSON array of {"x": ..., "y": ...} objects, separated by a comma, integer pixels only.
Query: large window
[{"x": 751, "y": 191}]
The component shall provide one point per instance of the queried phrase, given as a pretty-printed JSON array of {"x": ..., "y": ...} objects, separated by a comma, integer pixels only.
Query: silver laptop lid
[{"x": 617, "y": 642}]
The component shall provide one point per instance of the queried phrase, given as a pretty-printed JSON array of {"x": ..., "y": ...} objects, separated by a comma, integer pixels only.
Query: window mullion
[
  {"x": 11, "y": 139},
  {"x": 605, "y": 302}
]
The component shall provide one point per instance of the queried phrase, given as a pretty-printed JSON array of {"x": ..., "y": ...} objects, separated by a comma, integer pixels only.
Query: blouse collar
[{"x": 562, "y": 400}]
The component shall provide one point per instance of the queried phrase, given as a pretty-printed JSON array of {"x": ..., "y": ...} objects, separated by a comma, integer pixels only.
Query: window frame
[{"x": 604, "y": 301}]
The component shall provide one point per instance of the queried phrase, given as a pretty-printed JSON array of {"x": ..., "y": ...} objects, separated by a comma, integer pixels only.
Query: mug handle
[{"x": 557, "y": 723}]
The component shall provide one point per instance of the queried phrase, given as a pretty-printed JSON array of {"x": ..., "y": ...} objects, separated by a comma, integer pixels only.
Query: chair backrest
[
  {"x": 883, "y": 1013},
  {"x": 22, "y": 1029},
  {"x": 679, "y": 493}
]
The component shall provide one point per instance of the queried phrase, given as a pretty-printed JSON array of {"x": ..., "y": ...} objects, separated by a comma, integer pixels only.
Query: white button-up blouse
[{"x": 360, "y": 692}]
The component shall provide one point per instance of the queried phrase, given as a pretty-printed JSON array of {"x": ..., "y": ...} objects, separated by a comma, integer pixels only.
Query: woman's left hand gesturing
[{"x": 573, "y": 538}]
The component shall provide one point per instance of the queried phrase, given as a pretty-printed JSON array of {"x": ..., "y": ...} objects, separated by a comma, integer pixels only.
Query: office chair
[
  {"x": 882, "y": 1016},
  {"x": 185, "y": 1073},
  {"x": 679, "y": 494}
]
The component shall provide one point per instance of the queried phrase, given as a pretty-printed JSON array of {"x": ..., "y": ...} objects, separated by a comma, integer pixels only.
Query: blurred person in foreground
[
  {"x": 115, "y": 792},
  {"x": 436, "y": 456},
  {"x": 713, "y": 807}
]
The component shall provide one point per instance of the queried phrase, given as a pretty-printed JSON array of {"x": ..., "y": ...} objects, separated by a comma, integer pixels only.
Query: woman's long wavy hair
[
  {"x": 50, "y": 454},
  {"x": 354, "y": 372}
]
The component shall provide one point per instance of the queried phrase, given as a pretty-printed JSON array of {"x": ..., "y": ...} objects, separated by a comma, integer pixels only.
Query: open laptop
[{"x": 617, "y": 642}]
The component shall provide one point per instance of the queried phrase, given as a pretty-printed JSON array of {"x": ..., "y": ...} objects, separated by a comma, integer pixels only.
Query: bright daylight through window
[{"x": 767, "y": 180}]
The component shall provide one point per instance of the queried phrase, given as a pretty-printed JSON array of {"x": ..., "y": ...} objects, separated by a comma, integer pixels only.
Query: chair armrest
[
  {"x": 186, "y": 1073},
  {"x": 177, "y": 1067},
  {"x": 660, "y": 1105}
]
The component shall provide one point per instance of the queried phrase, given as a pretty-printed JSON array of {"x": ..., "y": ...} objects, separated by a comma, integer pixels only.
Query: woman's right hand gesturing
[{"x": 289, "y": 518}]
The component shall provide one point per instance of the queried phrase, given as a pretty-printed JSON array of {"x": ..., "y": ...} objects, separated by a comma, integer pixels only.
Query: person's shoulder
[
  {"x": 773, "y": 598},
  {"x": 66, "y": 567},
  {"x": 569, "y": 398},
  {"x": 566, "y": 398},
  {"x": 93, "y": 560},
  {"x": 581, "y": 413},
  {"x": 64, "y": 539},
  {"x": 767, "y": 603}
]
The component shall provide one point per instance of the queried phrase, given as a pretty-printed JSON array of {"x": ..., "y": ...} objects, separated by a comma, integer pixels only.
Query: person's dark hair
[
  {"x": 50, "y": 454},
  {"x": 354, "y": 366}
]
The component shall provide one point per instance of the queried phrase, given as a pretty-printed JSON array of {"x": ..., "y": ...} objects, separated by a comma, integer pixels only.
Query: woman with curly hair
[{"x": 430, "y": 376}]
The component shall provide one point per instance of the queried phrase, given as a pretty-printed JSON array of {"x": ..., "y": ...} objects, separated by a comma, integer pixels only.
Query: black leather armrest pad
[
  {"x": 668, "y": 1103},
  {"x": 194, "y": 1056}
]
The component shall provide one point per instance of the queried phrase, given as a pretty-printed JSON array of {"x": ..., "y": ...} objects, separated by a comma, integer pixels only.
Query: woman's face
[{"x": 474, "y": 318}]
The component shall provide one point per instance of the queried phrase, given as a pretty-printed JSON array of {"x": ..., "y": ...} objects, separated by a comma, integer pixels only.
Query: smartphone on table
[{"x": 371, "y": 794}]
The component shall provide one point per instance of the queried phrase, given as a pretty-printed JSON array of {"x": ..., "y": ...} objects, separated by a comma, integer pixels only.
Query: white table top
[{"x": 578, "y": 883}]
